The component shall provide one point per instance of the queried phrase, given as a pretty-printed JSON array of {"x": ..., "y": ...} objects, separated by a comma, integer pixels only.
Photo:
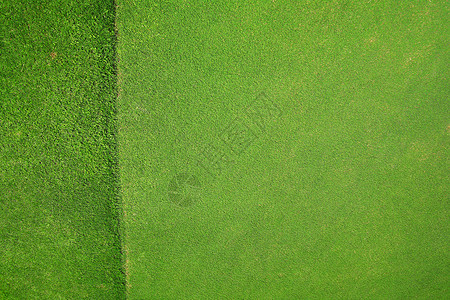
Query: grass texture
[
  {"x": 262, "y": 149},
  {"x": 284, "y": 149},
  {"x": 59, "y": 205}
]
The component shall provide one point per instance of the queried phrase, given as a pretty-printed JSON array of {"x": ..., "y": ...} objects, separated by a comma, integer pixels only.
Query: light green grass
[
  {"x": 345, "y": 196},
  {"x": 59, "y": 206}
]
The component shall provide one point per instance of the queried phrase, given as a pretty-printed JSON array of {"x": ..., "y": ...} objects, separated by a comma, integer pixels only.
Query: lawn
[
  {"x": 265, "y": 149},
  {"x": 284, "y": 149},
  {"x": 59, "y": 204}
]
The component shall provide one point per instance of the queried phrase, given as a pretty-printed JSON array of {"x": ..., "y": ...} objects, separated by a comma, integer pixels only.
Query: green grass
[
  {"x": 59, "y": 205},
  {"x": 344, "y": 196}
]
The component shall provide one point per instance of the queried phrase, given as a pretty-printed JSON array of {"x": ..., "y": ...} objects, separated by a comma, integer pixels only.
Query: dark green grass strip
[{"x": 59, "y": 204}]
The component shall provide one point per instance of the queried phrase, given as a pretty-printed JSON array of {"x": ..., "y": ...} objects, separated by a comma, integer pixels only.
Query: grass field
[
  {"x": 59, "y": 206},
  {"x": 224, "y": 149},
  {"x": 284, "y": 149}
]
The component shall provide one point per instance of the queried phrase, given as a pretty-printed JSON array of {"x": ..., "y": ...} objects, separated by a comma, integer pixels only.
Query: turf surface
[
  {"x": 264, "y": 149},
  {"x": 284, "y": 149},
  {"x": 59, "y": 206}
]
